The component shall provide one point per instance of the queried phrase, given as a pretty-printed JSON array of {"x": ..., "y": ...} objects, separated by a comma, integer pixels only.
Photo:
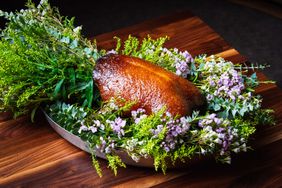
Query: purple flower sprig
[
  {"x": 219, "y": 133},
  {"x": 229, "y": 85},
  {"x": 224, "y": 88},
  {"x": 106, "y": 145},
  {"x": 117, "y": 126},
  {"x": 94, "y": 128},
  {"x": 180, "y": 61},
  {"x": 182, "y": 66},
  {"x": 138, "y": 115},
  {"x": 175, "y": 132}
]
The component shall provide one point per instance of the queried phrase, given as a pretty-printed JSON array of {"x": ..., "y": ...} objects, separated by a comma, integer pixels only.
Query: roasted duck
[{"x": 149, "y": 85}]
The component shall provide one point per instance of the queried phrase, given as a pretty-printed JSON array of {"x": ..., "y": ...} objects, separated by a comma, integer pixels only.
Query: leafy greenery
[
  {"x": 140, "y": 139},
  {"x": 96, "y": 164},
  {"x": 43, "y": 58},
  {"x": 115, "y": 162},
  {"x": 149, "y": 49}
]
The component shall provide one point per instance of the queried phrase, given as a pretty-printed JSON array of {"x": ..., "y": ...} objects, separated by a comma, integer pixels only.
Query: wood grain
[{"x": 33, "y": 155}]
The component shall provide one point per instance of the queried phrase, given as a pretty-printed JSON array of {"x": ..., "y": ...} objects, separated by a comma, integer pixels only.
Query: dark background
[{"x": 255, "y": 34}]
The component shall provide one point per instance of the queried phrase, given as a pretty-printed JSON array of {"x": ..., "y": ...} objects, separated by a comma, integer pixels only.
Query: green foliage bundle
[{"x": 43, "y": 58}]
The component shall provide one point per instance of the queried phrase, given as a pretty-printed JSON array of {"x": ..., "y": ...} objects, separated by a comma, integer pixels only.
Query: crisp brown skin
[{"x": 149, "y": 85}]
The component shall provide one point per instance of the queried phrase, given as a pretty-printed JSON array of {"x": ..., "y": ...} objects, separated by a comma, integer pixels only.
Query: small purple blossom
[
  {"x": 106, "y": 146},
  {"x": 211, "y": 116},
  {"x": 82, "y": 128},
  {"x": 117, "y": 126},
  {"x": 138, "y": 115},
  {"x": 182, "y": 69},
  {"x": 187, "y": 56},
  {"x": 137, "y": 120},
  {"x": 201, "y": 123},
  {"x": 225, "y": 145},
  {"x": 134, "y": 114},
  {"x": 167, "y": 149},
  {"x": 212, "y": 83},
  {"x": 98, "y": 124},
  {"x": 157, "y": 131},
  {"x": 93, "y": 129},
  {"x": 218, "y": 121},
  {"x": 175, "y": 130}
]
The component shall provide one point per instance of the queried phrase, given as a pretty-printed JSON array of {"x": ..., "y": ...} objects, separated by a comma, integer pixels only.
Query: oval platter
[{"x": 83, "y": 145}]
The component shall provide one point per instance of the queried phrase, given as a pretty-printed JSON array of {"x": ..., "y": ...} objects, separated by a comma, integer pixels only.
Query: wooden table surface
[{"x": 33, "y": 155}]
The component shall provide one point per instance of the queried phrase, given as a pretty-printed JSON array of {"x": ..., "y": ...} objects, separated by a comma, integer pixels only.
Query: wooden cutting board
[{"x": 33, "y": 155}]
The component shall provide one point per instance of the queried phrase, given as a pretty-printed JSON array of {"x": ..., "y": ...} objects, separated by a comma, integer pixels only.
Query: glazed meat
[{"x": 149, "y": 85}]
